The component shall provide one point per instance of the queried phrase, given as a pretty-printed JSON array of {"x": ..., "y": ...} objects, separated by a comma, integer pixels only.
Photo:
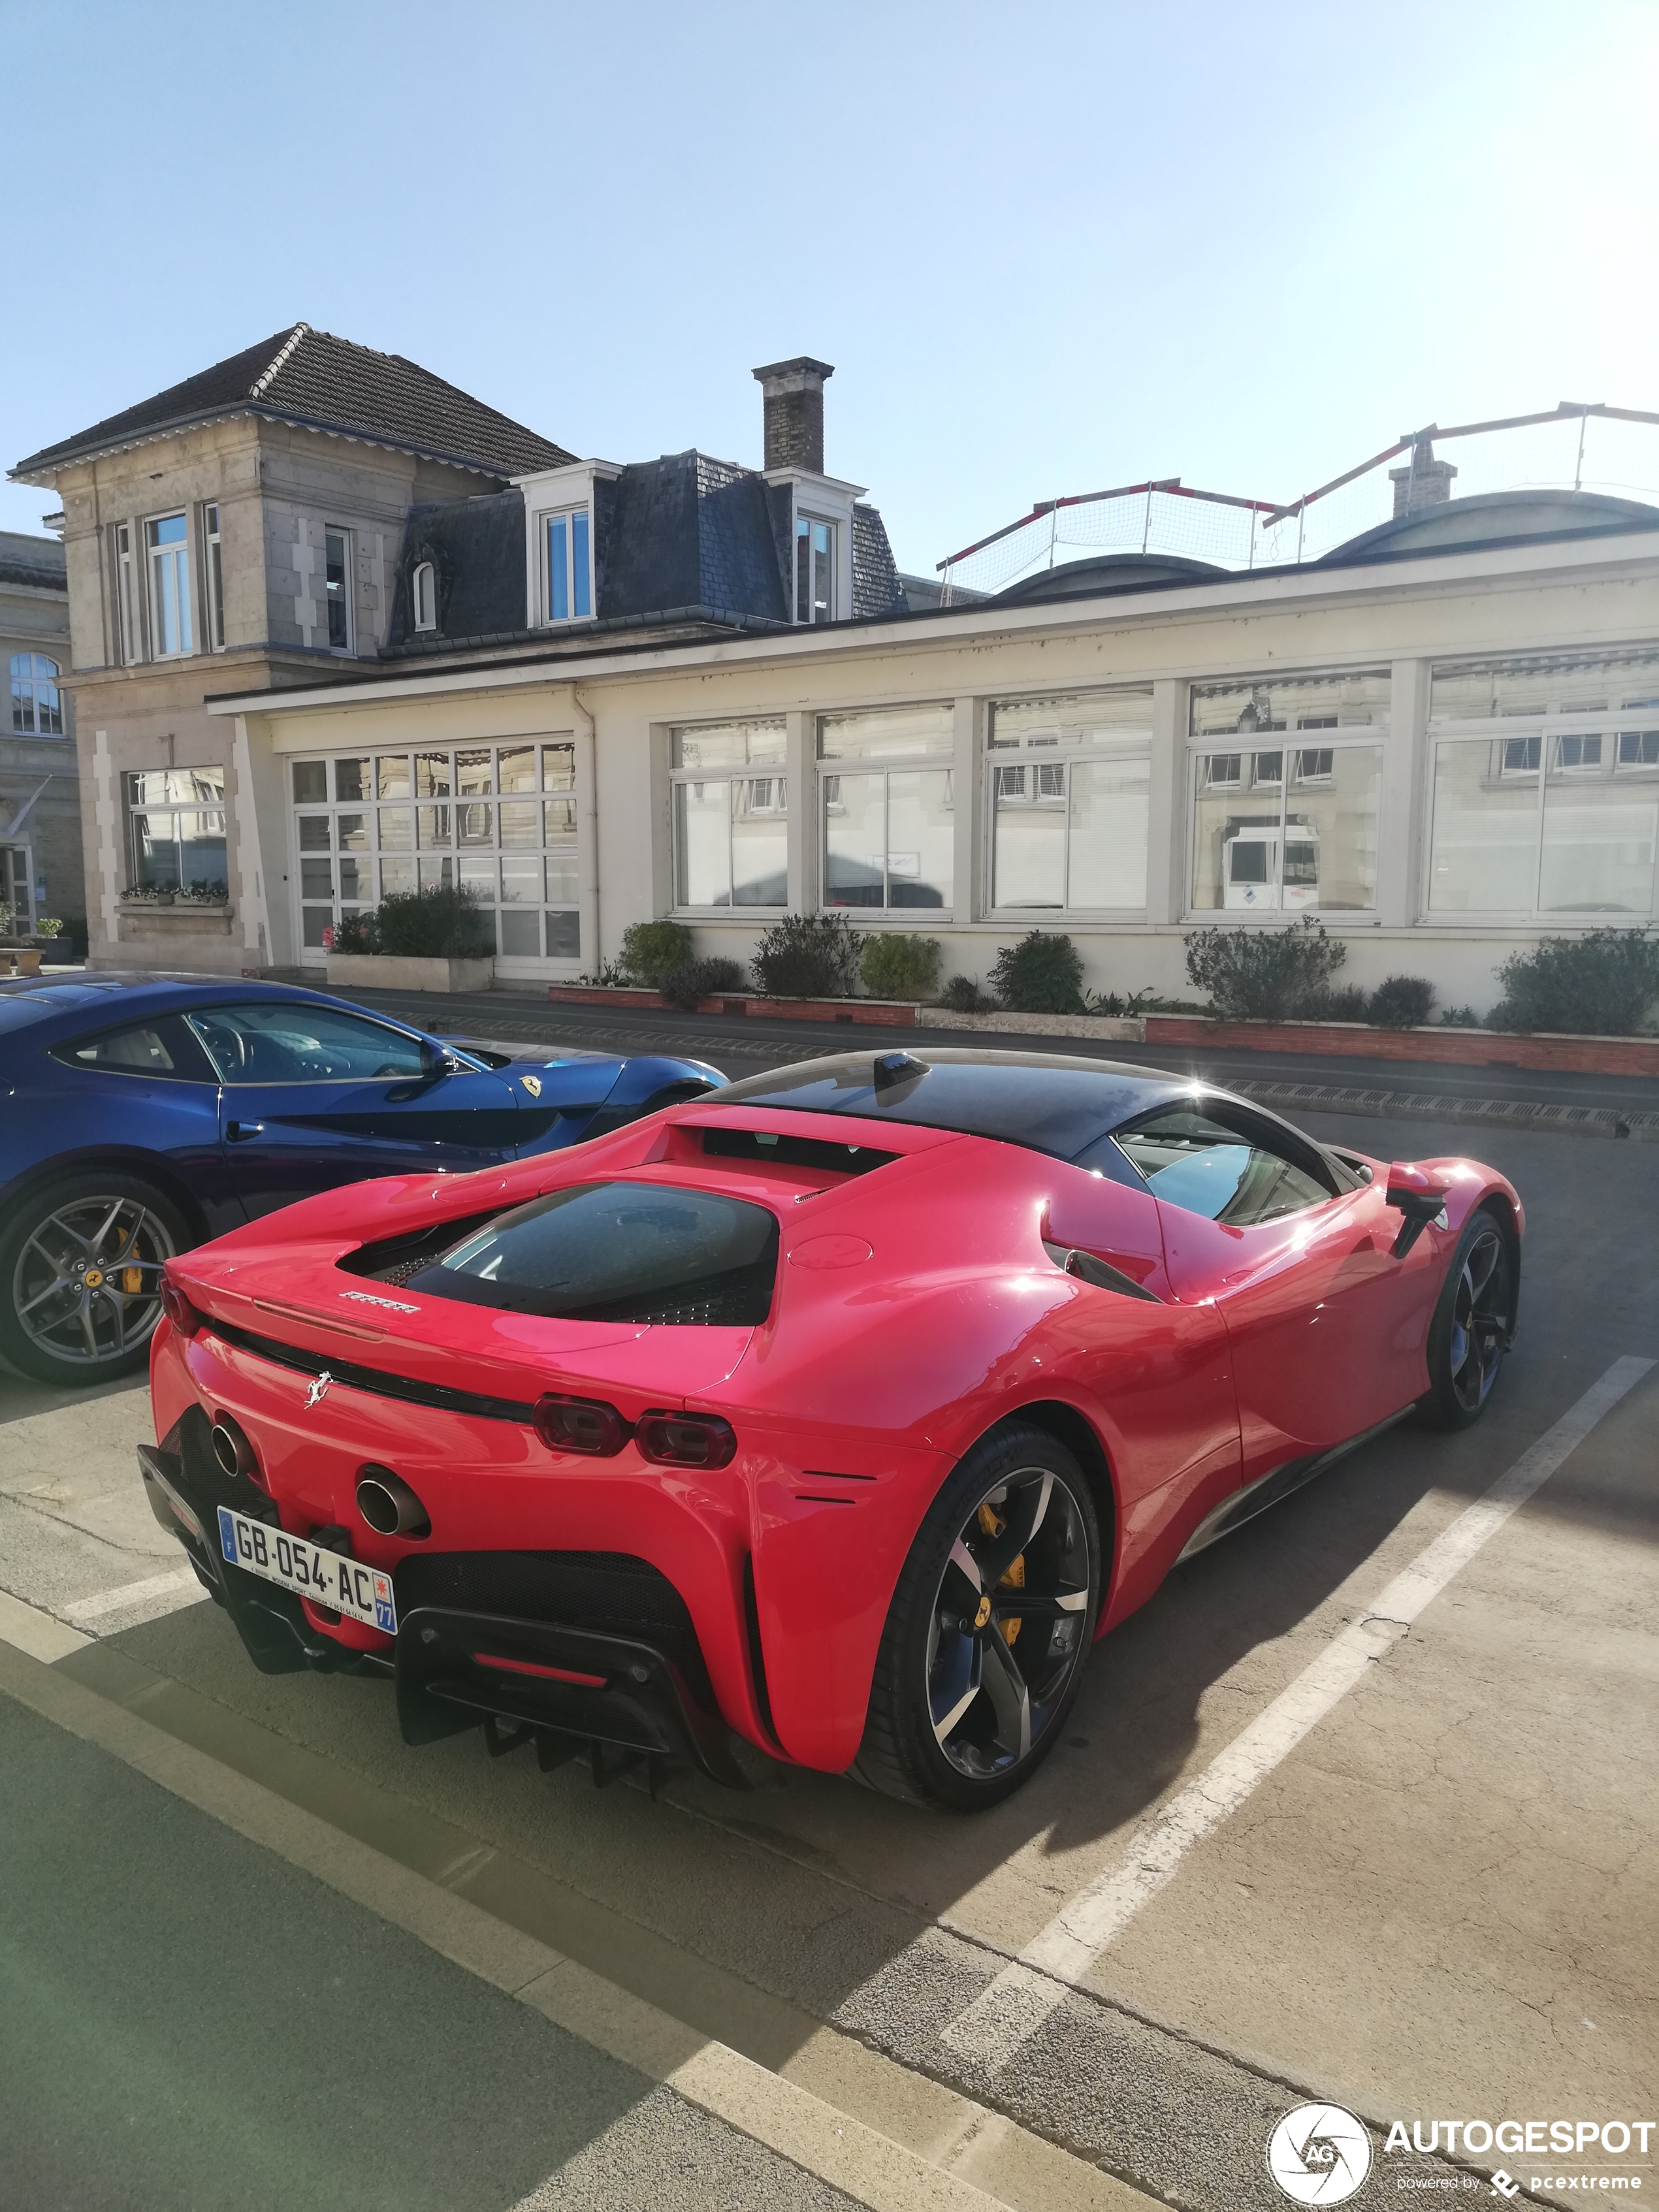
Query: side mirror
[
  {"x": 435, "y": 1061},
  {"x": 1418, "y": 1193}
]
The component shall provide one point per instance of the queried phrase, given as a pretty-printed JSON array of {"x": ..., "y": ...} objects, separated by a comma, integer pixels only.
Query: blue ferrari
[{"x": 139, "y": 1116}]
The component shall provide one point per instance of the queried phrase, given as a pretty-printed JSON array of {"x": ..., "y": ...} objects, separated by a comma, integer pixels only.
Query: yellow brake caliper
[{"x": 992, "y": 1525}]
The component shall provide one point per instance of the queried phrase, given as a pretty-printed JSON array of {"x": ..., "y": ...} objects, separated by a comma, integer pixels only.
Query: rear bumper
[{"x": 454, "y": 1667}]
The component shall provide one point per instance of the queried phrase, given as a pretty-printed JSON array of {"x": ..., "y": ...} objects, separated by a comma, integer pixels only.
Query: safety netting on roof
[{"x": 1613, "y": 451}]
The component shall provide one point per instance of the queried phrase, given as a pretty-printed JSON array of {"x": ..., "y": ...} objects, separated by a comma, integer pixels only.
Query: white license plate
[{"x": 347, "y": 1586}]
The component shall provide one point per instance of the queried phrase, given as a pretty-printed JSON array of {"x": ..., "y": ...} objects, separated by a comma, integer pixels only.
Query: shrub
[
  {"x": 652, "y": 950},
  {"x": 1459, "y": 1017},
  {"x": 898, "y": 966},
  {"x": 700, "y": 979},
  {"x": 1040, "y": 974},
  {"x": 807, "y": 955},
  {"x": 1263, "y": 975},
  {"x": 48, "y": 925},
  {"x": 963, "y": 995},
  {"x": 1341, "y": 1002},
  {"x": 356, "y": 932},
  {"x": 1601, "y": 985},
  {"x": 1401, "y": 1002},
  {"x": 443, "y": 923}
]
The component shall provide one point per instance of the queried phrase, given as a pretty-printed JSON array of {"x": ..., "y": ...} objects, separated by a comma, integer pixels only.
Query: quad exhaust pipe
[{"x": 390, "y": 1506}]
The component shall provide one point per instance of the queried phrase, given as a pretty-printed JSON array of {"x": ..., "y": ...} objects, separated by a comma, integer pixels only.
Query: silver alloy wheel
[
  {"x": 1479, "y": 1320},
  {"x": 1010, "y": 1622},
  {"x": 87, "y": 1288}
]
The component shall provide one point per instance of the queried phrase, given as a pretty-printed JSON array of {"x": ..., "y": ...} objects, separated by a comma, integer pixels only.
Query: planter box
[
  {"x": 885, "y": 1013},
  {"x": 391, "y": 971},
  {"x": 1572, "y": 1055},
  {"x": 1108, "y": 1029}
]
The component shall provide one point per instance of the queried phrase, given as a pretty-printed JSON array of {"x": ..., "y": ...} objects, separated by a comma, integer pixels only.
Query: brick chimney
[
  {"x": 1424, "y": 481},
  {"x": 792, "y": 391}
]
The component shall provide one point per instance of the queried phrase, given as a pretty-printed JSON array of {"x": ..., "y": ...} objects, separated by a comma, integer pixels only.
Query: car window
[
  {"x": 1203, "y": 1167},
  {"x": 619, "y": 1251},
  {"x": 164, "y": 1046},
  {"x": 274, "y": 1041}
]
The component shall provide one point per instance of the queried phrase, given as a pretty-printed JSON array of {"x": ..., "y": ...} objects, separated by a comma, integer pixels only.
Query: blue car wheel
[{"x": 81, "y": 1277}]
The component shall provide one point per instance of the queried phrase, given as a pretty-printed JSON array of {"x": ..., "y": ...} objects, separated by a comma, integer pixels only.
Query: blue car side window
[
  {"x": 290, "y": 1042},
  {"x": 163, "y": 1048}
]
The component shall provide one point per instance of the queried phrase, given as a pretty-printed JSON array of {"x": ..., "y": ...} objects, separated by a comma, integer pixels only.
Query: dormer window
[
  {"x": 567, "y": 571},
  {"x": 815, "y": 569},
  {"x": 424, "y": 596}
]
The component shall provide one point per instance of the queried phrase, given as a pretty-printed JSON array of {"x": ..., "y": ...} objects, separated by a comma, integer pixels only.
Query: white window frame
[
  {"x": 17, "y": 868},
  {"x": 423, "y": 597},
  {"x": 1041, "y": 754},
  {"x": 884, "y": 765},
  {"x": 348, "y": 595},
  {"x": 1361, "y": 737},
  {"x": 128, "y": 644},
  {"x": 1546, "y": 729},
  {"x": 24, "y": 681},
  {"x": 747, "y": 772},
  {"x": 805, "y": 523},
  {"x": 566, "y": 518},
  {"x": 213, "y": 578},
  {"x": 164, "y": 563}
]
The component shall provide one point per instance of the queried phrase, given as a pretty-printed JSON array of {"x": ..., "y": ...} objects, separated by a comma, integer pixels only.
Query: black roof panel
[{"x": 1049, "y": 1102}]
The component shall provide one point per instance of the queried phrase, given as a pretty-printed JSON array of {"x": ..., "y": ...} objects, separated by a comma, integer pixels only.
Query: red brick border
[{"x": 1580, "y": 1055}]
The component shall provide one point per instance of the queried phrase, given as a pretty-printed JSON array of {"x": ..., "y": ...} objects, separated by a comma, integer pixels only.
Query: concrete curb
[{"x": 1424, "y": 1106}]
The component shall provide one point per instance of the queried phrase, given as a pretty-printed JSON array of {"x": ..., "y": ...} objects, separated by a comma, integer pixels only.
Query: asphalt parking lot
[{"x": 1437, "y": 1898}]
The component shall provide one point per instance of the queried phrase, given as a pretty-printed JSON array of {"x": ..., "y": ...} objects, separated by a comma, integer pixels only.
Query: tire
[
  {"x": 1472, "y": 1320},
  {"x": 114, "y": 1229},
  {"x": 962, "y": 1712}
]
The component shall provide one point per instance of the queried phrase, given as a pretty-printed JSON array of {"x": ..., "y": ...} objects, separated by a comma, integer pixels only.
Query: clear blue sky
[{"x": 1049, "y": 247}]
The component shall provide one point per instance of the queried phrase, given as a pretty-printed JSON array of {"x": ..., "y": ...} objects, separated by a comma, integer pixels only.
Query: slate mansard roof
[
  {"x": 311, "y": 378},
  {"x": 685, "y": 539}
]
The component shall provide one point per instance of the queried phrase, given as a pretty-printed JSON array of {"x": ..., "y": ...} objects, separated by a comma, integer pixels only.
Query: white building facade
[{"x": 1443, "y": 753}]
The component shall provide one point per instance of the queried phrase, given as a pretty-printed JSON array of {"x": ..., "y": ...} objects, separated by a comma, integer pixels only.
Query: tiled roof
[
  {"x": 37, "y": 562},
  {"x": 299, "y": 374}
]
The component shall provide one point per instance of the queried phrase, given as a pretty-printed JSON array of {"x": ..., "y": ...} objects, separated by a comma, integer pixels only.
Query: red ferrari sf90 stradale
[{"x": 842, "y": 1409}]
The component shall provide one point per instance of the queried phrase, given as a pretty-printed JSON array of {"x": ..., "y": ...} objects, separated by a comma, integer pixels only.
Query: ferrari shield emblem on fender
[{"x": 532, "y": 1084}]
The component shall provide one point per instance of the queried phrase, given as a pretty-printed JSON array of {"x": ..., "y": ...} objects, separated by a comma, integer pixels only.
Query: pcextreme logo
[{"x": 1319, "y": 2154}]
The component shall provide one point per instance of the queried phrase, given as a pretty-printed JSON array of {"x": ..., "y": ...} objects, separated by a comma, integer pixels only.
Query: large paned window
[
  {"x": 213, "y": 571},
  {"x": 37, "y": 710},
  {"x": 731, "y": 815},
  {"x": 815, "y": 570},
  {"x": 176, "y": 830},
  {"x": 169, "y": 586},
  {"x": 1070, "y": 786},
  {"x": 1290, "y": 825},
  {"x": 1545, "y": 789},
  {"x": 568, "y": 566},
  {"x": 336, "y": 587},
  {"x": 499, "y": 818},
  {"x": 886, "y": 791}
]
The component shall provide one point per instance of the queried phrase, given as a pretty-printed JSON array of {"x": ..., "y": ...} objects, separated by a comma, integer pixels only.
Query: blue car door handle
[{"x": 238, "y": 1133}]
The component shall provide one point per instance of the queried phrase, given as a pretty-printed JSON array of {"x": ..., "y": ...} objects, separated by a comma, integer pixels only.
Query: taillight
[
  {"x": 686, "y": 1439},
  {"x": 179, "y": 1309},
  {"x": 579, "y": 1425}
]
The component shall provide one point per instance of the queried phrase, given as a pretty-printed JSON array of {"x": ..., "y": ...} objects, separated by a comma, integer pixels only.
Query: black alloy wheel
[
  {"x": 990, "y": 1627},
  {"x": 81, "y": 1277},
  {"x": 1473, "y": 1320}
]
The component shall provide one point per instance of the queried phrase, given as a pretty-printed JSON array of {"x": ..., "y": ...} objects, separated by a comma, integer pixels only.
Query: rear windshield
[{"x": 618, "y": 1251}]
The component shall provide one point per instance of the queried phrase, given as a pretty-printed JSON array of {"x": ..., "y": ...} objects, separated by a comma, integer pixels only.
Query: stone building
[{"x": 41, "y": 873}]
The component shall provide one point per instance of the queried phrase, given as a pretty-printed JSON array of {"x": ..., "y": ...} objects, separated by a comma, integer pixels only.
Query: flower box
[
  {"x": 885, "y": 1013},
  {"x": 393, "y": 971}
]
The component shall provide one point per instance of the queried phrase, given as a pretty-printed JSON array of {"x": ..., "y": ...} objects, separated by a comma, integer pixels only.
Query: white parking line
[
  {"x": 1025, "y": 1993},
  {"x": 176, "y": 1581}
]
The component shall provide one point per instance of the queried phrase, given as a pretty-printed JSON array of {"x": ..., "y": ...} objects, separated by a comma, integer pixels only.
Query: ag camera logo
[{"x": 1319, "y": 2154}]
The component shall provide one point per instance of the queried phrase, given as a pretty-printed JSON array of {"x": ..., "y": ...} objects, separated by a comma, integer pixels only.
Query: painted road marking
[
  {"x": 177, "y": 1582},
  {"x": 1005, "y": 2015}
]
